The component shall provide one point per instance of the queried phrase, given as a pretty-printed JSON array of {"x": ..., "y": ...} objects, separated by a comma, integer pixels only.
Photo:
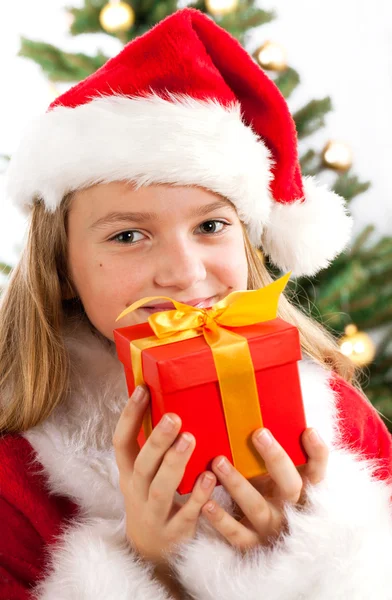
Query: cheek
[
  {"x": 105, "y": 291},
  {"x": 231, "y": 266},
  {"x": 111, "y": 282}
]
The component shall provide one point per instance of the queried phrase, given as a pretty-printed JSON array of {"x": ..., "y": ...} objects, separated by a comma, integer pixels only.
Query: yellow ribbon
[{"x": 230, "y": 352}]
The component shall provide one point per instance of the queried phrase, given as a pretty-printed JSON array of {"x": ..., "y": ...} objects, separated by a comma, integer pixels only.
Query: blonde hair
[{"x": 34, "y": 363}]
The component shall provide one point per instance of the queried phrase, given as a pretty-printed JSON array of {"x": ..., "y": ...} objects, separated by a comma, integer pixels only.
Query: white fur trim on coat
[
  {"x": 338, "y": 546},
  {"x": 304, "y": 237},
  {"x": 93, "y": 561},
  {"x": 145, "y": 140}
]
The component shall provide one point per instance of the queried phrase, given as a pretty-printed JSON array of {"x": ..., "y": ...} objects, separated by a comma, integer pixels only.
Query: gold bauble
[
  {"x": 357, "y": 345},
  {"x": 271, "y": 56},
  {"x": 221, "y": 7},
  {"x": 116, "y": 16},
  {"x": 337, "y": 155}
]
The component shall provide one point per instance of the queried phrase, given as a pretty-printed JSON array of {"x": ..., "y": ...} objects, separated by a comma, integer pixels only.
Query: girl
[{"x": 161, "y": 174}]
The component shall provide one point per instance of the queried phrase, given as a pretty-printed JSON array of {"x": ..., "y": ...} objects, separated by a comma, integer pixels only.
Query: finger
[
  {"x": 280, "y": 466},
  {"x": 191, "y": 510},
  {"x": 235, "y": 533},
  {"x": 254, "y": 506},
  {"x": 318, "y": 453},
  {"x": 127, "y": 429},
  {"x": 151, "y": 454},
  {"x": 169, "y": 475}
]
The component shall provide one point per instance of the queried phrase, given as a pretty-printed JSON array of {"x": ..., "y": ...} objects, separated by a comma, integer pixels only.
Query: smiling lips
[{"x": 197, "y": 303}]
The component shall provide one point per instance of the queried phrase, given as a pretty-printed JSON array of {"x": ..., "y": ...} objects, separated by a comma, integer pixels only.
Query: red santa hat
[{"x": 185, "y": 104}]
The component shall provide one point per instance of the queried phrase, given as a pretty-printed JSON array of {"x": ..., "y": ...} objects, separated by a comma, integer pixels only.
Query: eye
[
  {"x": 128, "y": 237},
  {"x": 211, "y": 226}
]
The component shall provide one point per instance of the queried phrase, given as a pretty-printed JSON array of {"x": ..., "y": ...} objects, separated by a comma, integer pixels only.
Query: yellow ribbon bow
[{"x": 230, "y": 352}]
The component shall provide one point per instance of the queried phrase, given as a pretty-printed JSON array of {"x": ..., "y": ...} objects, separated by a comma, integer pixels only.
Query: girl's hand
[
  {"x": 149, "y": 478},
  {"x": 262, "y": 519}
]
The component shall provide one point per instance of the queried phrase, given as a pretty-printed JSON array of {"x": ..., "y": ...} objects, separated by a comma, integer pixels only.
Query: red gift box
[{"x": 182, "y": 379}]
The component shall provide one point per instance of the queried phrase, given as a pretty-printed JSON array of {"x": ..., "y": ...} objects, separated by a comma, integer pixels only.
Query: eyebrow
[{"x": 139, "y": 217}]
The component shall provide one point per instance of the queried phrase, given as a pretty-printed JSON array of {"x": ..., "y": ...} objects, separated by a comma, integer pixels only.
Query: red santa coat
[{"x": 63, "y": 521}]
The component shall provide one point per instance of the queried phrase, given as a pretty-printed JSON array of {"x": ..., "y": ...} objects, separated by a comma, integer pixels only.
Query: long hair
[
  {"x": 316, "y": 340},
  {"x": 34, "y": 363}
]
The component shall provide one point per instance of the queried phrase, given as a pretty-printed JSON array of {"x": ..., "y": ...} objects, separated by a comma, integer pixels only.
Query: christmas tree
[{"x": 354, "y": 294}]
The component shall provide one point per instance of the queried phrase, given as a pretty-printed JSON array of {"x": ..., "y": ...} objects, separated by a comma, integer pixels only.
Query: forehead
[{"x": 153, "y": 202}]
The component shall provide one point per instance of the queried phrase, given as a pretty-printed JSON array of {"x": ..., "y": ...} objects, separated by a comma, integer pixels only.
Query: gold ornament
[
  {"x": 357, "y": 345},
  {"x": 221, "y": 7},
  {"x": 116, "y": 16},
  {"x": 337, "y": 155},
  {"x": 271, "y": 56}
]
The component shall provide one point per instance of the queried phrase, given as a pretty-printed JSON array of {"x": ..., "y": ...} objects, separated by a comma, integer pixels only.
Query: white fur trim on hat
[
  {"x": 146, "y": 139},
  {"x": 179, "y": 141},
  {"x": 305, "y": 236}
]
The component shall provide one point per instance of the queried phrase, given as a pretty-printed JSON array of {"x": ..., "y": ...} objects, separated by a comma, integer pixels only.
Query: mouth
[{"x": 201, "y": 303}]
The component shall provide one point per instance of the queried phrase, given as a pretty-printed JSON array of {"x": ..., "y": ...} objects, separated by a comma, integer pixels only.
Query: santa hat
[{"x": 185, "y": 104}]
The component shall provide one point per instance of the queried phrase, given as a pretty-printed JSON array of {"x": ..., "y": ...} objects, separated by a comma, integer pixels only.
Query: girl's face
[{"x": 183, "y": 242}]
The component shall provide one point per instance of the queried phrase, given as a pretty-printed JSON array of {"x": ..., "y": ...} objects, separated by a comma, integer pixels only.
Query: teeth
[{"x": 203, "y": 304}]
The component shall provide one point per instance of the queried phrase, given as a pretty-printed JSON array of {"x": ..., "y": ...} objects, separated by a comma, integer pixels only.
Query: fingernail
[
  {"x": 206, "y": 480},
  {"x": 265, "y": 438},
  {"x": 314, "y": 436},
  {"x": 167, "y": 423},
  {"x": 223, "y": 465},
  {"x": 138, "y": 394},
  {"x": 183, "y": 442},
  {"x": 210, "y": 507}
]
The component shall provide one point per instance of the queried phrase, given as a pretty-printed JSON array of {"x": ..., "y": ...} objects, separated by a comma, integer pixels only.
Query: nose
[{"x": 179, "y": 265}]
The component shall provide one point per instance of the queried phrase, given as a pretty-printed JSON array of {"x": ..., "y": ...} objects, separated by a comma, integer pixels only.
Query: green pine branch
[
  {"x": 287, "y": 81},
  {"x": 349, "y": 186},
  {"x": 147, "y": 14},
  {"x": 246, "y": 17},
  {"x": 58, "y": 65},
  {"x": 311, "y": 117},
  {"x": 86, "y": 19}
]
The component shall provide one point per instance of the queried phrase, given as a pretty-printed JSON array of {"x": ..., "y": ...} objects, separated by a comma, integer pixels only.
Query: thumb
[{"x": 127, "y": 429}]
